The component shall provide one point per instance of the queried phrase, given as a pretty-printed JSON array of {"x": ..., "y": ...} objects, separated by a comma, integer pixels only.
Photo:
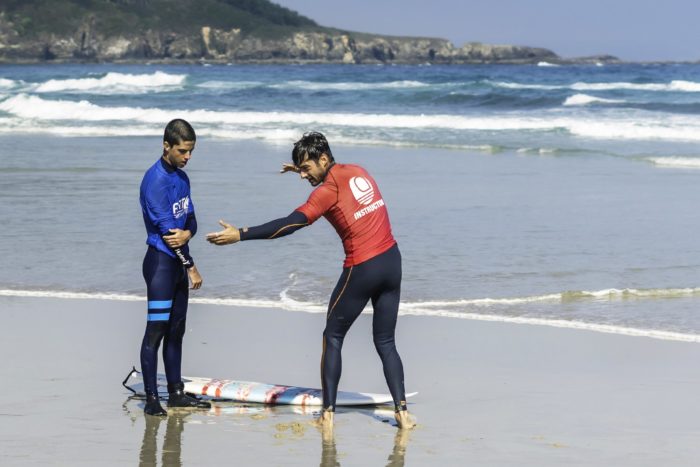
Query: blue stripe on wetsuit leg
[
  {"x": 159, "y": 305},
  {"x": 158, "y": 316}
]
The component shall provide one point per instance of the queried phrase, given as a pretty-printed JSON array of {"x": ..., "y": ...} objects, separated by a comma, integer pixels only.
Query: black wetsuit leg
[
  {"x": 167, "y": 288},
  {"x": 385, "y": 302},
  {"x": 378, "y": 279}
]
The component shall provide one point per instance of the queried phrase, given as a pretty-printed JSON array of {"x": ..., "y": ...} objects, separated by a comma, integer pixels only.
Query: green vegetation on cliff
[
  {"x": 241, "y": 31},
  {"x": 259, "y": 18}
]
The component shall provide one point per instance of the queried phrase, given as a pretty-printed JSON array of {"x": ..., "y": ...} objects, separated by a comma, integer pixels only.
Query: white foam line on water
[
  {"x": 407, "y": 309},
  {"x": 34, "y": 107},
  {"x": 585, "y": 99},
  {"x": 579, "y": 325},
  {"x": 673, "y": 86},
  {"x": 679, "y": 162},
  {"x": 485, "y": 301},
  {"x": 38, "y": 114},
  {"x": 350, "y": 86},
  {"x": 115, "y": 83}
]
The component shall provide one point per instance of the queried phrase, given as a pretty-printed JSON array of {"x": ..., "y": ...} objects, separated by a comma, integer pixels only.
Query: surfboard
[{"x": 261, "y": 393}]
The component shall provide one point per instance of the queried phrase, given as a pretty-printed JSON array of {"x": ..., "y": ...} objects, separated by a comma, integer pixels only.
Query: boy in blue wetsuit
[{"x": 168, "y": 213}]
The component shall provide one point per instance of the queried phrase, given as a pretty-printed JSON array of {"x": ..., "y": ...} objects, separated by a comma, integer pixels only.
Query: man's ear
[
  {"x": 166, "y": 147},
  {"x": 324, "y": 160}
]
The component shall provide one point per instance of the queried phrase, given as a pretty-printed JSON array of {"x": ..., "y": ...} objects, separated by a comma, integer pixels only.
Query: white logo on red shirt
[{"x": 362, "y": 190}]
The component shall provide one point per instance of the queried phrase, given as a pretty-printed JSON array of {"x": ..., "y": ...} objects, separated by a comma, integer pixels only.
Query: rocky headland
[{"x": 238, "y": 31}]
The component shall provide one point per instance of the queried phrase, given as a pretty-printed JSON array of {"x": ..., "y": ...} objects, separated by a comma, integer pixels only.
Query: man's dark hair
[
  {"x": 177, "y": 131},
  {"x": 311, "y": 146}
]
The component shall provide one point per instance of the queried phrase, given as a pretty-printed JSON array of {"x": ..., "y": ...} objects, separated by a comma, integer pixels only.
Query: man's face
[
  {"x": 178, "y": 154},
  {"x": 314, "y": 172}
]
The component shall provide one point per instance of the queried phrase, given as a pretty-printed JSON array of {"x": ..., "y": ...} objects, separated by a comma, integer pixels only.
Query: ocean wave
[
  {"x": 36, "y": 112},
  {"x": 562, "y": 297},
  {"x": 6, "y": 83},
  {"x": 316, "y": 85},
  {"x": 350, "y": 86},
  {"x": 585, "y": 99},
  {"x": 566, "y": 324},
  {"x": 509, "y": 85},
  {"x": 115, "y": 83},
  {"x": 34, "y": 107},
  {"x": 547, "y": 64},
  {"x": 443, "y": 309},
  {"x": 230, "y": 84},
  {"x": 681, "y": 162},
  {"x": 673, "y": 86},
  {"x": 273, "y": 135},
  {"x": 670, "y": 128},
  {"x": 543, "y": 151}
]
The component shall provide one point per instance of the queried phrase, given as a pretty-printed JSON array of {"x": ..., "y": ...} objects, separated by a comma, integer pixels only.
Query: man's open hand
[{"x": 229, "y": 235}]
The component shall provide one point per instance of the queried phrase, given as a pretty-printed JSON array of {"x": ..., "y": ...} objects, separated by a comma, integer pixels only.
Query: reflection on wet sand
[
  {"x": 329, "y": 451},
  {"x": 175, "y": 422},
  {"x": 172, "y": 442}
]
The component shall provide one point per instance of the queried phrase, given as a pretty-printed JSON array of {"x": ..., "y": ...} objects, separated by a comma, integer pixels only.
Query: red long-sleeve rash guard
[{"x": 351, "y": 201}]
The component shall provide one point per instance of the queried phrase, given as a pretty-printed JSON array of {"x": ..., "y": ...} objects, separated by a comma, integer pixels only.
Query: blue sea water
[{"x": 560, "y": 195}]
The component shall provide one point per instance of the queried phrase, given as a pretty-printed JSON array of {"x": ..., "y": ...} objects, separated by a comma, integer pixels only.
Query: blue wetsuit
[{"x": 166, "y": 204}]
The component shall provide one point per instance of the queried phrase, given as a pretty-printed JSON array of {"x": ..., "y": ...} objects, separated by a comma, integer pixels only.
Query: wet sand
[{"x": 490, "y": 393}]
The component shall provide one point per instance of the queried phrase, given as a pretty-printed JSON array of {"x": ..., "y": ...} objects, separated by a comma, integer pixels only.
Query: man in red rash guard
[{"x": 348, "y": 197}]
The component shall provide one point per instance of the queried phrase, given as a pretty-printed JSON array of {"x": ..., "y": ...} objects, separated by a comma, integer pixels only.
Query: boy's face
[{"x": 178, "y": 154}]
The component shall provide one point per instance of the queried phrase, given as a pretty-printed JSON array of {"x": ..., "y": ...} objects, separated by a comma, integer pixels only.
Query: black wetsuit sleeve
[
  {"x": 191, "y": 224},
  {"x": 183, "y": 253},
  {"x": 276, "y": 228}
]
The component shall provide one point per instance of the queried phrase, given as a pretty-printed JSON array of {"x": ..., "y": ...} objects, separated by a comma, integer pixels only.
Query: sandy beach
[{"x": 489, "y": 393}]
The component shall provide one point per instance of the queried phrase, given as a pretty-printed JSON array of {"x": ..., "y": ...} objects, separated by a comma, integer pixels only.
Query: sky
[{"x": 634, "y": 30}]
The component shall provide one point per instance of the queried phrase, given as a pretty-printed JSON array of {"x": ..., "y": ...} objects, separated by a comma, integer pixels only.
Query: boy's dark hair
[
  {"x": 177, "y": 131},
  {"x": 311, "y": 146}
]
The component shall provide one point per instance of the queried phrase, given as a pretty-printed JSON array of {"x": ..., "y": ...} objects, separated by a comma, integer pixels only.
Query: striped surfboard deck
[{"x": 261, "y": 393}]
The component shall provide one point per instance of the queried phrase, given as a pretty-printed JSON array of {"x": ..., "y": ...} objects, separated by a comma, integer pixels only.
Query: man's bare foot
[
  {"x": 324, "y": 422},
  {"x": 404, "y": 420},
  {"x": 325, "y": 419}
]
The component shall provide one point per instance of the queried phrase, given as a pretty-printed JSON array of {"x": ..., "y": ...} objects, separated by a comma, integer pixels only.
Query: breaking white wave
[
  {"x": 33, "y": 107},
  {"x": 509, "y": 85},
  {"x": 34, "y": 112},
  {"x": 230, "y": 84},
  {"x": 115, "y": 83},
  {"x": 6, "y": 83},
  {"x": 681, "y": 162},
  {"x": 585, "y": 99},
  {"x": 349, "y": 86},
  {"x": 547, "y": 64},
  {"x": 673, "y": 86}
]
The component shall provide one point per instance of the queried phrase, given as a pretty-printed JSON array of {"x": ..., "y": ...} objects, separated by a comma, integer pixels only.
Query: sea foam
[
  {"x": 349, "y": 86},
  {"x": 673, "y": 86},
  {"x": 680, "y": 162},
  {"x": 115, "y": 83},
  {"x": 615, "y": 126},
  {"x": 585, "y": 99},
  {"x": 440, "y": 309}
]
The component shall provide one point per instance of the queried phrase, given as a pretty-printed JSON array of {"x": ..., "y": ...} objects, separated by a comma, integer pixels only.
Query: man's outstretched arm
[{"x": 267, "y": 231}]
